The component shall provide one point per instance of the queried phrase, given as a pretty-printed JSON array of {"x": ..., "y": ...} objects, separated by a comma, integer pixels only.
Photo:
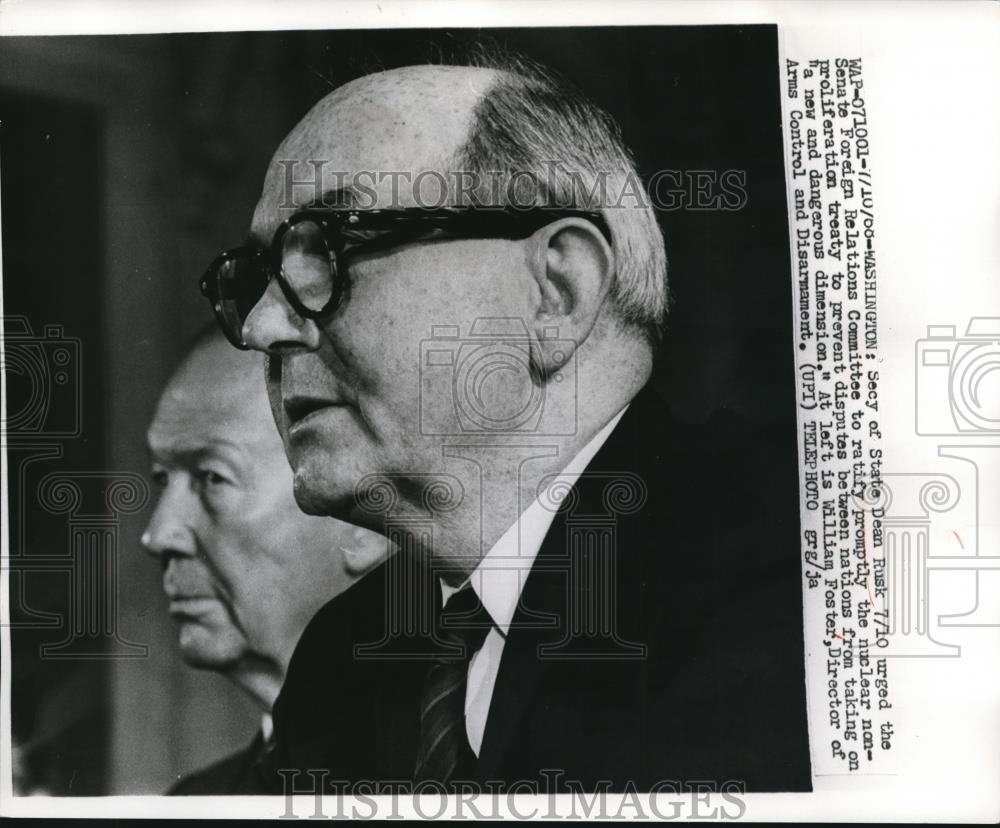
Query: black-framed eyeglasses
[{"x": 310, "y": 251}]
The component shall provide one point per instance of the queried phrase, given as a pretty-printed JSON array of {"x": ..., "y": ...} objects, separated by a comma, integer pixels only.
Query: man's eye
[
  {"x": 207, "y": 477},
  {"x": 159, "y": 478}
]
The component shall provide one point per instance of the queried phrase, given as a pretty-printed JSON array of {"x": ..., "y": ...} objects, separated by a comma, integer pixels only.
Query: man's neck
[
  {"x": 500, "y": 482},
  {"x": 485, "y": 482},
  {"x": 260, "y": 679}
]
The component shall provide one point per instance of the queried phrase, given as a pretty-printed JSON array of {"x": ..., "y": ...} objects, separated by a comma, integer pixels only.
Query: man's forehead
[
  {"x": 214, "y": 393},
  {"x": 377, "y": 133}
]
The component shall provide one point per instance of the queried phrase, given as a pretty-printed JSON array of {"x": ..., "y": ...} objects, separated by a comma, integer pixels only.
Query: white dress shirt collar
[{"x": 502, "y": 572}]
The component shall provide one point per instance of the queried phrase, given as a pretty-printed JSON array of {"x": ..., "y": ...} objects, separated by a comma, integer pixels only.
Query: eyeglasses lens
[
  {"x": 308, "y": 264},
  {"x": 241, "y": 282}
]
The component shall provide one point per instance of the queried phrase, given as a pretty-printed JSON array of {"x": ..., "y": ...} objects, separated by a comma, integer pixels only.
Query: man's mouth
[
  {"x": 190, "y": 606},
  {"x": 300, "y": 408}
]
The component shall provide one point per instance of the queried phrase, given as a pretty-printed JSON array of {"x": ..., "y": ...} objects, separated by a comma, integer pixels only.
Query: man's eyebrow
[
  {"x": 336, "y": 197},
  {"x": 220, "y": 447},
  {"x": 339, "y": 197}
]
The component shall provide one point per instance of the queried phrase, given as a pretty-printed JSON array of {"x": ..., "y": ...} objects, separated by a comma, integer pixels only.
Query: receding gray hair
[{"x": 536, "y": 131}]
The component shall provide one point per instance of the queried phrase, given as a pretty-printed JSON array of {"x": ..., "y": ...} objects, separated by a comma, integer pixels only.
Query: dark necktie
[{"x": 443, "y": 752}]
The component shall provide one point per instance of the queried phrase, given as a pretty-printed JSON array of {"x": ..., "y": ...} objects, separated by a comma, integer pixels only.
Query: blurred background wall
[{"x": 128, "y": 162}]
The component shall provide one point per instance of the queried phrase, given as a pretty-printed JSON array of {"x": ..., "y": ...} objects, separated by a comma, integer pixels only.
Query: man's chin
[
  {"x": 208, "y": 649},
  {"x": 316, "y": 495}
]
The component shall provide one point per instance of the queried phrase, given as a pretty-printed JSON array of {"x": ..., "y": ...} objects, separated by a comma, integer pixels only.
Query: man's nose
[
  {"x": 170, "y": 531},
  {"x": 273, "y": 325}
]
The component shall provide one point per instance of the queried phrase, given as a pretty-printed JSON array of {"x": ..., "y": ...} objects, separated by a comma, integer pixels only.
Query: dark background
[{"x": 128, "y": 162}]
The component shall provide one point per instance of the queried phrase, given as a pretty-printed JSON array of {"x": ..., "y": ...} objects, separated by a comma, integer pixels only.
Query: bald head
[
  {"x": 408, "y": 120},
  {"x": 221, "y": 389},
  {"x": 501, "y": 133},
  {"x": 401, "y": 116}
]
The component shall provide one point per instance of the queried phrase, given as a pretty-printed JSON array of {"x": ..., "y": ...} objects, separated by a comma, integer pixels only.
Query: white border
[{"x": 865, "y": 28}]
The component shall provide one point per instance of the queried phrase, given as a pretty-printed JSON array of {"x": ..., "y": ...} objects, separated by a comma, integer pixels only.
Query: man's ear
[{"x": 573, "y": 266}]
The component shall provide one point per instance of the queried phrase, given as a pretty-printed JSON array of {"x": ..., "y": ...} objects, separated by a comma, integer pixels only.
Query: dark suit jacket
[
  {"x": 240, "y": 773},
  {"x": 704, "y": 578}
]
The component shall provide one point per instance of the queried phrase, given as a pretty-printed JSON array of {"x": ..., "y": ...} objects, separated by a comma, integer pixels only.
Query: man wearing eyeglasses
[{"x": 466, "y": 370}]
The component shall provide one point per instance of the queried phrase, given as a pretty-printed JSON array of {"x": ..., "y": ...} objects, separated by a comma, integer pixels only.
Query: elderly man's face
[
  {"x": 346, "y": 391},
  {"x": 243, "y": 568}
]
